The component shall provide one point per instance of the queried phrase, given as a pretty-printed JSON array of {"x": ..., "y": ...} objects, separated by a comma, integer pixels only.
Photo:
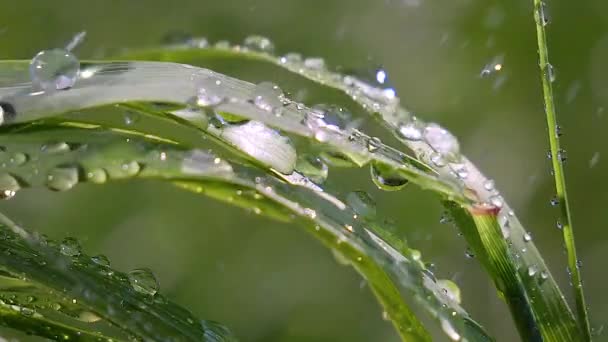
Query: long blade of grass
[{"x": 565, "y": 220}]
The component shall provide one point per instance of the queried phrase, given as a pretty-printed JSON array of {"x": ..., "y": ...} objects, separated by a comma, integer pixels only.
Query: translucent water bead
[{"x": 55, "y": 69}]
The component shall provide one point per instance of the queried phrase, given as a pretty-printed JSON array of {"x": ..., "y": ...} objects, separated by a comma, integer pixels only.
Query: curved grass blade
[
  {"x": 552, "y": 316},
  {"x": 54, "y": 290},
  {"x": 329, "y": 219}
]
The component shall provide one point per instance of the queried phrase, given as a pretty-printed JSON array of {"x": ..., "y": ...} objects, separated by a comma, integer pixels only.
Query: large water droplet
[
  {"x": 450, "y": 289},
  {"x": 55, "y": 69},
  {"x": 313, "y": 168},
  {"x": 386, "y": 178},
  {"x": 268, "y": 97},
  {"x": 62, "y": 178},
  {"x": 8, "y": 186},
  {"x": 143, "y": 281},
  {"x": 442, "y": 141},
  {"x": 259, "y": 43},
  {"x": 333, "y": 117},
  {"x": 70, "y": 247},
  {"x": 362, "y": 203}
]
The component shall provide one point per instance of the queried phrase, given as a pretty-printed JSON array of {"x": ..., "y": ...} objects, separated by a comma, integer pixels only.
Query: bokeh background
[{"x": 269, "y": 281}]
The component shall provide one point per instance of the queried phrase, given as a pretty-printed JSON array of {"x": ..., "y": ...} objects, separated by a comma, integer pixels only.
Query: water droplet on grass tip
[
  {"x": 143, "y": 281},
  {"x": 55, "y": 69}
]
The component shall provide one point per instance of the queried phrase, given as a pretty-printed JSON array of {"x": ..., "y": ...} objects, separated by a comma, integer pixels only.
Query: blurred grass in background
[{"x": 271, "y": 282}]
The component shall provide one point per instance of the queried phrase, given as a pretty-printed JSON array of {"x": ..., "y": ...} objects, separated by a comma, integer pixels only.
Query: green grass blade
[
  {"x": 49, "y": 292},
  {"x": 558, "y": 171}
]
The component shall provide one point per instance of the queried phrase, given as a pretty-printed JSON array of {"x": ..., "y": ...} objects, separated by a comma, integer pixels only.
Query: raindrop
[
  {"x": 461, "y": 171},
  {"x": 143, "y": 281},
  {"x": 70, "y": 247},
  {"x": 267, "y": 96},
  {"x": 331, "y": 117},
  {"x": 97, "y": 176},
  {"x": 437, "y": 159},
  {"x": 62, "y": 178},
  {"x": 101, "y": 260},
  {"x": 410, "y": 131},
  {"x": 8, "y": 186},
  {"x": 313, "y": 168},
  {"x": 527, "y": 237},
  {"x": 259, "y": 43},
  {"x": 55, "y": 69},
  {"x": 489, "y": 185},
  {"x": 27, "y": 311},
  {"x": 314, "y": 63},
  {"x": 337, "y": 159},
  {"x": 554, "y": 201},
  {"x": 550, "y": 72},
  {"x": 442, "y": 141},
  {"x": 55, "y": 148},
  {"x": 387, "y": 178},
  {"x": 362, "y": 203}
]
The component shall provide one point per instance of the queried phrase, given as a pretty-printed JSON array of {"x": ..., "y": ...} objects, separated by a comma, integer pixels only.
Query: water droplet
[
  {"x": 554, "y": 201},
  {"x": 313, "y": 168},
  {"x": 259, "y": 43},
  {"x": 97, "y": 176},
  {"x": 56, "y": 306},
  {"x": 131, "y": 168},
  {"x": 8, "y": 186},
  {"x": 559, "y": 225},
  {"x": 315, "y": 63},
  {"x": 18, "y": 158},
  {"x": 449, "y": 330},
  {"x": 101, "y": 260},
  {"x": 55, "y": 69},
  {"x": 469, "y": 253},
  {"x": 362, "y": 203},
  {"x": 387, "y": 178},
  {"x": 62, "y": 178},
  {"x": 208, "y": 89},
  {"x": 291, "y": 58},
  {"x": 550, "y": 72},
  {"x": 437, "y": 159},
  {"x": 494, "y": 66},
  {"x": 374, "y": 144},
  {"x": 27, "y": 311},
  {"x": 562, "y": 156},
  {"x": 450, "y": 289},
  {"x": 56, "y": 148},
  {"x": 544, "y": 275},
  {"x": 267, "y": 96},
  {"x": 70, "y": 247},
  {"x": 496, "y": 201},
  {"x": 489, "y": 185},
  {"x": 331, "y": 117},
  {"x": 461, "y": 171},
  {"x": 558, "y": 131},
  {"x": 131, "y": 118},
  {"x": 527, "y": 237},
  {"x": 442, "y": 141},
  {"x": 410, "y": 131},
  {"x": 143, "y": 281},
  {"x": 532, "y": 270}
]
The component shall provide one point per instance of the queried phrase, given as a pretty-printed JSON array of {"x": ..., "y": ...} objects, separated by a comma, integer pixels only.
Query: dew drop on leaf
[
  {"x": 101, "y": 260},
  {"x": 18, "y": 158},
  {"x": 55, "y": 148},
  {"x": 143, "y": 281},
  {"x": 489, "y": 185},
  {"x": 313, "y": 168},
  {"x": 97, "y": 176},
  {"x": 267, "y": 96},
  {"x": 62, "y": 178},
  {"x": 55, "y": 69},
  {"x": 550, "y": 72},
  {"x": 259, "y": 43},
  {"x": 314, "y": 63},
  {"x": 442, "y": 141},
  {"x": 527, "y": 237},
  {"x": 8, "y": 186},
  {"x": 554, "y": 201},
  {"x": 532, "y": 270},
  {"x": 70, "y": 247},
  {"x": 362, "y": 203},
  {"x": 386, "y": 178},
  {"x": 410, "y": 131}
]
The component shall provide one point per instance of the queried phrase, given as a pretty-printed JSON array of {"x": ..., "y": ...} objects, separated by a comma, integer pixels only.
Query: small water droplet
[
  {"x": 559, "y": 225},
  {"x": 362, "y": 203},
  {"x": 313, "y": 168},
  {"x": 449, "y": 330},
  {"x": 558, "y": 131},
  {"x": 496, "y": 201},
  {"x": 291, "y": 58},
  {"x": 27, "y": 311},
  {"x": 208, "y": 90},
  {"x": 101, "y": 260},
  {"x": 442, "y": 141},
  {"x": 62, "y": 178},
  {"x": 550, "y": 72},
  {"x": 259, "y": 43},
  {"x": 18, "y": 158},
  {"x": 315, "y": 63},
  {"x": 554, "y": 201},
  {"x": 131, "y": 168},
  {"x": 97, "y": 176},
  {"x": 469, "y": 253},
  {"x": 543, "y": 14},
  {"x": 461, "y": 171},
  {"x": 374, "y": 144},
  {"x": 450, "y": 289},
  {"x": 532, "y": 270},
  {"x": 55, "y": 69},
  {"x": 494, "y": 66},
  {"x": 562, "y": 156},
  {"x": 267, "y": 96},
  {"x": 489, "y": 185},
  {"x": 437, "y": 159},
  {"x": 386, "y": 178},
  {"x": 331, "y": 117},
  {"x": 131, "y": 118},
  {"x": 8, "y": 186},
  {"x": 55, "y": 306},
  {"x": 70, "y": 247},
  {"x": 544, "y": 275},
  {"x": 143, "y": 281},
  {"x": 527, "y": 237},
  {"x": 410, "y": 131},
  {"x": 56, "y": 148}
]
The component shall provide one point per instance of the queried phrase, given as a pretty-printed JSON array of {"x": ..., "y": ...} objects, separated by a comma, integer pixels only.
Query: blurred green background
[{"x": 269, "y": 281}]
